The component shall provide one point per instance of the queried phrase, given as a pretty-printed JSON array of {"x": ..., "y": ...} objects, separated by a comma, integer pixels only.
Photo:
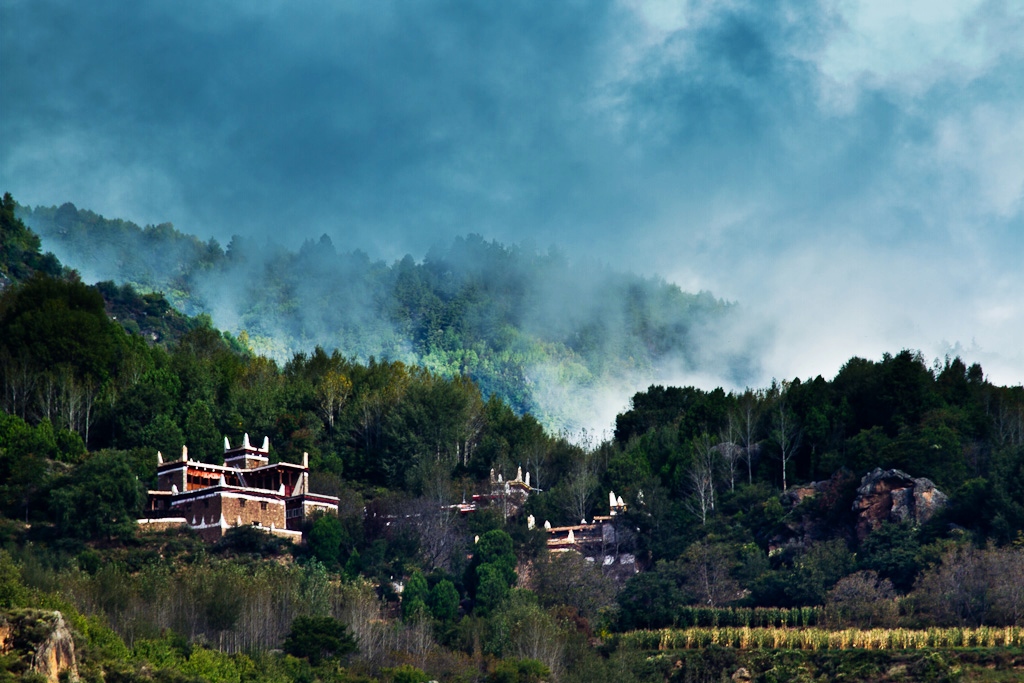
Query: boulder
[{"x": 894, "y": 496}]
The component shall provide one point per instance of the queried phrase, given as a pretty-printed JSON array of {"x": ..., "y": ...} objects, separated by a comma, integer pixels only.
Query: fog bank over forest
[{"x": 569, "y": 340}]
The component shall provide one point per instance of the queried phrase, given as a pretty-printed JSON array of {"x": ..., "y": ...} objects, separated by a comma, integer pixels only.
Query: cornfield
[
  {"x": 747, "y": 616},
  {"x": 773, "y": 638}
]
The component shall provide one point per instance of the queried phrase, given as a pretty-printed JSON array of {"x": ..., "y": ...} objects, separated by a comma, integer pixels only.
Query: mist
[
  {"x": 851, "y": 174},
  {"x": 565, "y": 339}
]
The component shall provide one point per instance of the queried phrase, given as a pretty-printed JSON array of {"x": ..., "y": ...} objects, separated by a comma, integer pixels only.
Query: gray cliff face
[{"x": 894, "y": 496}]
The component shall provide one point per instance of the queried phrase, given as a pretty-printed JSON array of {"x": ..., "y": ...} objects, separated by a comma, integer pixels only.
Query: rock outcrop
[
  {"x": 811, "y": 512},
  {"x": 894, "y": 496},
  {"x": 41, "y": 641}
]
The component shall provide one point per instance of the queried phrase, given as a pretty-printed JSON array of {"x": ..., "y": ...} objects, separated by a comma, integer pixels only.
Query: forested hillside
[
  {"x": 803, "y": 504},
  {"x": 546, "y": 334}
]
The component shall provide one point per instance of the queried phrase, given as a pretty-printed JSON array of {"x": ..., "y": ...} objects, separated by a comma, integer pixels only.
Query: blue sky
[{"x": 851, "y": 172}]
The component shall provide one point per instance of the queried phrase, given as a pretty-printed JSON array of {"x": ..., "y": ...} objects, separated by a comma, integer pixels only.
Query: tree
[
  {"x": 443, "y": 601},
  {"x": 519, "y": 671},
  {"x": 200, "y": 433},
  {"x": 414, "y": 597},
  {"x": 568, "y": 579},
  {"x": 863, "y": 599},
  {"x": 785, "y": 429},
  {"x": 495, "y": 548},
  {"x": 318, "y": 638},
  {"x": 492, "y": 572},
  {"x": 325, "y": 539},
  {"x": 728, "y": 451},
  {"x": 332, "y": 393},
  {"x": 893, "y": 551},
  {"x": 57, "y": 322},
  {"x": 707, "y": 566},
  {"x": 580, "y": 484},
  {"x": 101, "y": 498},
  {"x": 651, "y": 599},
  {"x": 748, "y": 416},
  {"x": 491, "y": 590},
  {"x": 13, "y": 592},
  {"x": 701, "y": 475}
]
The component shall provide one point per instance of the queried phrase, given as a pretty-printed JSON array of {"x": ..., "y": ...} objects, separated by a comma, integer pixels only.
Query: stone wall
[{"x": 247, "y": 510}]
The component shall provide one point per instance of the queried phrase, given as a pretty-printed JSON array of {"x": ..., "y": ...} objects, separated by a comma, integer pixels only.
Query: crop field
[{"x": 782, "y": 638}]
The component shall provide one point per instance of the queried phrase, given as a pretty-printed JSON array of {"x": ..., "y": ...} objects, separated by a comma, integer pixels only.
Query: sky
[{"x": 851, "y": 173}]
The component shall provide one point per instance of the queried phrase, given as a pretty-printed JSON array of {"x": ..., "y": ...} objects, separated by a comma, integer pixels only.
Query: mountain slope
[{"x": 550, "y": 336}]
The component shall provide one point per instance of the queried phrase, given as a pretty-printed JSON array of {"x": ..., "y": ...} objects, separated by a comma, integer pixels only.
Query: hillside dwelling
[
  {"x": 509, "y": 495},
  {"x": 245, "y": 491},
  {"x": 596, "y": 540}
]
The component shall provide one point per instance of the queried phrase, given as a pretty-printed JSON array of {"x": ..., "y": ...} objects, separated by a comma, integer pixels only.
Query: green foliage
[
  {"x": 325, "y": 539},
  {"x": 491, "y": 589},
  {"x": 518, "y": 671},
  {"x": 893, "y": 551},
  {"x": 20, "y": 256},
  {"x": 317, "y": 638},
  {"x": 213, "y": 666},
  {"x": 251, "y": 541},
  {"x": 568, "y": 579},
  {"x": 406, "y": 673},
  {"x": 414, "y": 597},
  {"x": 495, "y": 548},
  {"x": 651, "y": 600},
  {"x": 492, "y": 572},
  {"x": 808, "y": 579},
  {"x": 50, "y": 324},
  {"x": 13, "y": 592},
  {"x": 100, "y": 499},
  {"x": 443, "y": 601}
]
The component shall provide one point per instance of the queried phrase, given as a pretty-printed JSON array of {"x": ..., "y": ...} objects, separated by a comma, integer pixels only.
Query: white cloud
[{"x": 988, "y": 143}]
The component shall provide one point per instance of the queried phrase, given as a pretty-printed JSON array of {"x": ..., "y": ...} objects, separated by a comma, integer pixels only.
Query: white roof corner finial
[
  {"x": 245, "y": 442},
  {"x": 572, "y": 536},
  {"x": 527, "y": 480},
  {"x": 159, "y": 458},
  {"x": 266, "y": 444},
  {"x": 174, "y": 489},
  {"x": 547, "y": 525},
  {"x": 611, "y": 499},
  {"x": 280, "y": 490},
  {"x": 305, "y": 460},
  {"x": 227, "y": 445},
  {"x": 499, "y": 477},
  {"x": 222, "y": 482},
  {"x": 621, "y": 503},
  {"x": 184, "y": 453},
  {"x": 519, "y": 473},
  {"x": 531, "y": 522}
]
